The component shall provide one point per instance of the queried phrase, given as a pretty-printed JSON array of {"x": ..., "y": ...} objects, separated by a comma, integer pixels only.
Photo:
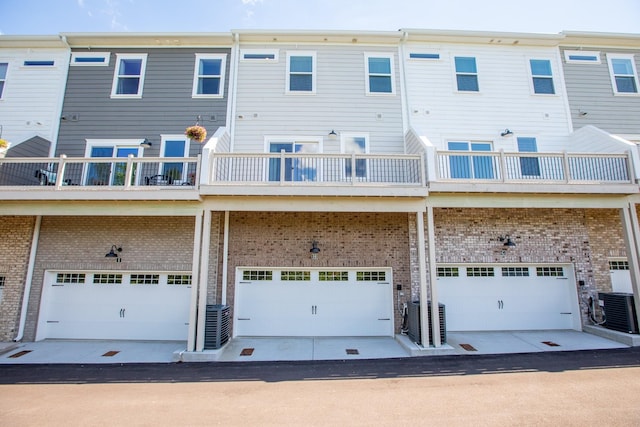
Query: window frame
[
  {"x": 293, "y": 171},
  {"x": 116, "y": 76},
  {"x": 346, "y": 170},
  {"x": 274, "y": 52},
  {"x": 614, "y": 84},
  {"x": 196, "y": 76},
  {"x": 368, "y": 74},
  {"x": 302, "y": 53},
  {"x": 163, "y": 145},
  {"x": 585, "y": 53},
  {"x": 476, "y": 74},
  {"x": 115, "y": 144},
  {"x": 3, "y": 80},
  {"x": 533, "y": 77},
  {"x": 105, "y": 55}
]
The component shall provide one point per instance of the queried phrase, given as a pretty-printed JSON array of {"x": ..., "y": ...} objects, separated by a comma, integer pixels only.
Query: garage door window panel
[
  {"x": 257, "y": 275},
  {"x": 107, "y": 278},
  {"x": 515, "y": 272},
  {"x": 549, "y": 271},
  {"x": 371, "y": 276},
  {"x": 298, "y": 276},
  {"x": 480, "y": 272},
  {"x": 333, "y": 276},
  {"x": 145, "y": 279},
  {"x": 179, "y": 279},
  {"x": 70, "y": 278}
]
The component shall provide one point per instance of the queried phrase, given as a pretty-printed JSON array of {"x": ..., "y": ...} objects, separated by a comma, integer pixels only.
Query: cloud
[
  {"x": 112, "y": 11},
  {"x": 251, "y": 2},
  {"x": 81, "y": 3}
]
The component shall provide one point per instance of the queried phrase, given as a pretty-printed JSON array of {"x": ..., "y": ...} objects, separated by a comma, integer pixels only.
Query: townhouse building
[{"x": 346, "y": 176}]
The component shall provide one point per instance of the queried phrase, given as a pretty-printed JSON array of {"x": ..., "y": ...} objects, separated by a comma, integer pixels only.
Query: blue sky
[{"x": 540, "y": 16}]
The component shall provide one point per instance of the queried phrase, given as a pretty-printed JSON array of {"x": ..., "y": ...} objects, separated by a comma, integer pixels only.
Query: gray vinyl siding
[
  {"x": 166, "y": 106},
  {"x": 340, "y": 103},
  {"x": 589, "y": 89}
]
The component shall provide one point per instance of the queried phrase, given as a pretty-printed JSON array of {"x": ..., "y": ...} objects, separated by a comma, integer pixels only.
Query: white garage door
[
  {"x": 279, "y": 302},
  {"x": 490, "y": 298},
  {"x": 115, "y": 305}
]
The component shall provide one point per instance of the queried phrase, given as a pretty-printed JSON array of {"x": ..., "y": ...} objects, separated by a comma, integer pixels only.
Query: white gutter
[{"x": 29, "y": 278}]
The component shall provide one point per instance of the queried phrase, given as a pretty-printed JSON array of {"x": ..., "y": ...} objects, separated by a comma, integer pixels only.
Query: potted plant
[
  {"x": 4, "y": 144},
  {"x": 196, "y": 133}
]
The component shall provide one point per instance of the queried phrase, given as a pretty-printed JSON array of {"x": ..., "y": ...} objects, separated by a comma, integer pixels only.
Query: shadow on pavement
[{"x": 431, "y": 366}]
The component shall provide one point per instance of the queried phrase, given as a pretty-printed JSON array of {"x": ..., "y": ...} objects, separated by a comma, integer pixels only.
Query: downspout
[
  {"x": 404, "y": 96},
  {"x": 233, "y": 89},
  {"x": 55, "y": 129},
  {"x": 29, "y": 278},
  {"x": 225, "y": 258}
]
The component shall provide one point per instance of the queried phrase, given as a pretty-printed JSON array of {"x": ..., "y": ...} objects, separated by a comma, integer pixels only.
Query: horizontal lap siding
[
  {"x": 166, "y": 107},
  {"x": 339, "y": 103},
  {"x": 589, "y": 89},
  {"x": 505, "y": 99}
]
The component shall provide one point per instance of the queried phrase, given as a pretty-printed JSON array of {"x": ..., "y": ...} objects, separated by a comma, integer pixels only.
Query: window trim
[
  {"x": 612, "y": 75},
  {"x": 115, "y": 144},
  {"x": 392, "y": 75},
  {"x": 4, "y": 80},
  {"x": 196, "y": 77},
  {"x": 312, "y": 54},
  {"x": 424, "y": 56},
  {"x": 585, "y": 53},
  {"x": 274, "y": 52},
  {"x": 116, "y": 76},
  {"x": 39, "y": 63},
  {"x": 177, "y": 137},
  {"x": 532, "y": 77},
  {"x": 456, "y": 73},
  {"x": 105, "y": 55}
]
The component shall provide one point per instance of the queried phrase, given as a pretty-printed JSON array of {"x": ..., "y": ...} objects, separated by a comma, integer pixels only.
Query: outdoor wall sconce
[
  {"x": 146, "y": 143},
  {"x": 112, "y": 253},
  {"x": 582, "y": 113},
  {"x": 508, "y": 243},
  {"x": 315, "y": 250},
  {"x": 333, "y": 134},
  {"x": 506, "y": 132}
]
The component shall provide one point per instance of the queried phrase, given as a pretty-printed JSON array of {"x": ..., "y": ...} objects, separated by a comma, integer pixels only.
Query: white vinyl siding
[
  {"x": 128, "y": 78},
  {"x": 624, "y": 76},
  {"x": 208, "y": 80}
]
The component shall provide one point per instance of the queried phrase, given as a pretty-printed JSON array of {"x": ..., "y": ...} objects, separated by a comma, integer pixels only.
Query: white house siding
[
  {"x": 505, "y": 99},
  {"x": 589, "y": 90},
  {"x": 339, "y": 102},
  {"x": 32, "y": 96}
]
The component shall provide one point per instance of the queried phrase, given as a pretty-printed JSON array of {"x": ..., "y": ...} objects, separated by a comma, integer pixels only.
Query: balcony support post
[
  {"x": 61, "y": 166},
  {"x": 565, "y": 164}
]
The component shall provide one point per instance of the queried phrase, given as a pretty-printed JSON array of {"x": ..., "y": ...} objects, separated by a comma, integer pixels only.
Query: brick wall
[
  {"x": 15, "y": 244},
  {"x": 80, "y": 243},
  {"x": 275, "y": 239}
]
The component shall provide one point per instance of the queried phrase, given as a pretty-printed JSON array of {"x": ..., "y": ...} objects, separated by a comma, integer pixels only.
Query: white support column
[
  {"x": 433, "y": 277},
  {"x": 632, "y": 240},
  {"x": 204, "y": 280},
  {"x": 195, "y": 270},
  {"x": 422, "y": 271}
]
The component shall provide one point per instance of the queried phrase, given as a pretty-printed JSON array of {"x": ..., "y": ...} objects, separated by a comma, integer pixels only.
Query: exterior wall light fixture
[
  {"x": 506, "y": 132},
  {"x": 315, "y": 250},
  {"x": 146, "y": 143},
  {"x": 114, "y": 252},
  {"x": 333, "y": 134},
  {"x": 508, "y": 243}
]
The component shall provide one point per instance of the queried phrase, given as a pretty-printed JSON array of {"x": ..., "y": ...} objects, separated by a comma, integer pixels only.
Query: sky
[{"x": 50, "y": 17}]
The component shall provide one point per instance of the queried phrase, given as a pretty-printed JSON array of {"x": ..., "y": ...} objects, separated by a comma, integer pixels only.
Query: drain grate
[
  {"x": 468, "y": 347},
  {"x": 352, "y": 351},
  {"x": 20, "y": 353},
  {"x": 111, "y": 353},
  {"x": 246, "y": 352},
  {"x": 550, "y": 343}
]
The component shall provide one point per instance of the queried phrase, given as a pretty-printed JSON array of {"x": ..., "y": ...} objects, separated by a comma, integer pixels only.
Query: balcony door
[
  {"x": 471, "y": 166},
  {"x": 295, "y": 169},
  {"x": 110, "y": 173}
]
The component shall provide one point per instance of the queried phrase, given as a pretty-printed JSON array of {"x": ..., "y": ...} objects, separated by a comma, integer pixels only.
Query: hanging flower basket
[
  {"x": 3, "y": 143},
  {"x": 196, "y": 133}
]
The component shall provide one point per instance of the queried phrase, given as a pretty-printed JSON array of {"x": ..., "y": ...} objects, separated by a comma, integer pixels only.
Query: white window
[
  {"x": 90, "y": 59},
  {"x": 466, "y": 74},
  {"x": 260, "y": 55},
  {"x": 541, "y": 76},
  {"x": 107, "y": 172},
  {"x": 39, "y": 63},
  {"x": 301, "y": 72},
  {"x": 3, "y": 77},
  {"x": 208, "y": 80},
  {"x": 298, "y": 168},
  {"x": 355, "y": 144},
  {"x": 624, "y": 77},
  {"x": 128, "y": 77},
  {"x": 582, "y": 57},
  {"x": 379, "y": 69},
  {"x": 424, "y": 56},
  {"x": 175, "y": 173}
]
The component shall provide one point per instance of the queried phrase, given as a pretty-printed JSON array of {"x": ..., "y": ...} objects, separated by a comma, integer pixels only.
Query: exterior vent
[
  {"x": 620, "y": 312},
  {"x": 415, "y": 331},
  {"x": 216, "y": 327}
]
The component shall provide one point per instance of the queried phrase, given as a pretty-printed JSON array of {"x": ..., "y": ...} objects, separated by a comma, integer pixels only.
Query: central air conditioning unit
[
  {"x": 619, "y": 311},
  {"x": 414, "y": 327},
  {"x": 216, "y": 326}
]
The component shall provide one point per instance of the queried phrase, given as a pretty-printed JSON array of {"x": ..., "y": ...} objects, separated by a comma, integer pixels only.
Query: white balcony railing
[
  {"x": 315, "y": 169},
  {"x": 124, "y": 173},
  {"x": 534, "y": 167}
]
